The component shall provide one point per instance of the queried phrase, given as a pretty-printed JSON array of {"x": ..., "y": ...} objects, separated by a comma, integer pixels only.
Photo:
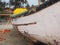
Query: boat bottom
[{"x": 33, "y": 41}]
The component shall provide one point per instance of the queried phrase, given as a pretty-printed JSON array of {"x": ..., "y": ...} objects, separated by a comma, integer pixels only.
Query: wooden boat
[{"x": 43, "y": 26}]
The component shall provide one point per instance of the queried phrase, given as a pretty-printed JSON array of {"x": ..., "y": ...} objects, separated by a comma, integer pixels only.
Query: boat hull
[{"x": 43, "y": 26}]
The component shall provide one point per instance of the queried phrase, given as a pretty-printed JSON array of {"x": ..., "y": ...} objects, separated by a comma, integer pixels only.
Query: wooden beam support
[{"x": 38, "y": 2}]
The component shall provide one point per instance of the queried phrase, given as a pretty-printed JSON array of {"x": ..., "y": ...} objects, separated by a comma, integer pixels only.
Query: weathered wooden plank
[{"x": 5, "y": 14}]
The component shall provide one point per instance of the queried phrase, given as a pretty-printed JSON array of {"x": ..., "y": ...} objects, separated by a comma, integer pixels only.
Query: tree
[
  {"x": 18, "y": 3},
  {"x": 42, "y": 0},
  {"x": 2, "y": 5}
]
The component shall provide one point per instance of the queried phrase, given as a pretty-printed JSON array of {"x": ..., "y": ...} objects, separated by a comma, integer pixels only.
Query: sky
[
  {"x": 31, "y": 2},
  {"x": 6, "y": 0}
]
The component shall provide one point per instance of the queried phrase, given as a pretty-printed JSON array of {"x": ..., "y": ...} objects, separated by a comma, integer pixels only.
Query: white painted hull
[{"x": 47, "y": 27}]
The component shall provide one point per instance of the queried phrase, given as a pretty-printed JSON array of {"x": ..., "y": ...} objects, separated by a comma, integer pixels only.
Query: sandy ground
[{"x": 11, "y": 38}]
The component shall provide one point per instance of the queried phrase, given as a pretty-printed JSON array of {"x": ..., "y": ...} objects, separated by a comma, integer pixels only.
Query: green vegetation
[
  {"x": 18, "y": 3},
  {"x": 2, "y": 5}
]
